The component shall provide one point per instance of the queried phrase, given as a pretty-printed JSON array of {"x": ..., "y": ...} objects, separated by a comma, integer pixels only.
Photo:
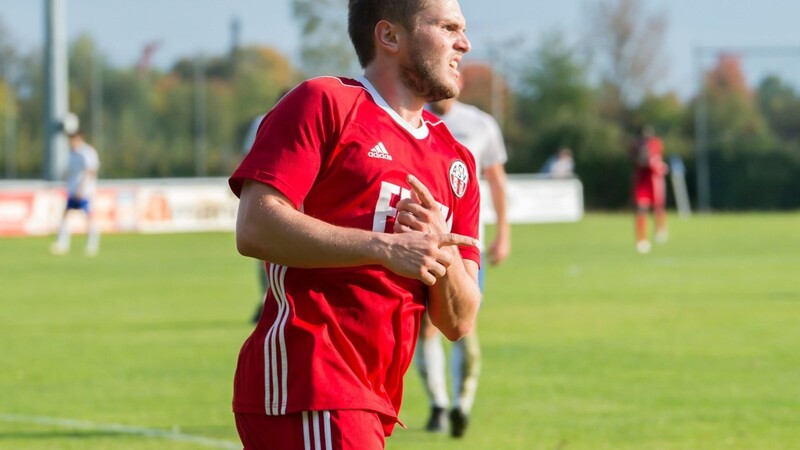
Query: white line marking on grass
[{"x": 121, "y": 429}]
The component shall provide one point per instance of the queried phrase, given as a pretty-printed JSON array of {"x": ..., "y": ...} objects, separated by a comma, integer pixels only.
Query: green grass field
[{"x": 586, "y": 344}]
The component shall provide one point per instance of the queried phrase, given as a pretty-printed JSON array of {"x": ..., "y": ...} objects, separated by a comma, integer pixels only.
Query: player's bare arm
[
  {"x": 269, "y": 228},
  {"x": 495, "y": 176},
  {"x": 455, "y": 297}
]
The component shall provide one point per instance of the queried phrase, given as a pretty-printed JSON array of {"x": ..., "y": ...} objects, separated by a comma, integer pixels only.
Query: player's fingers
[
  {"x": 400, "y": 228},
  {"x": 422, "y": 192},
  {"x": 407, "y": 219},
  {"x": 405, "y": 203},
  {"x": 415, "y": 197},
  {"x": 456, "y": 239},
  {"x": 414, "y": 207},
  {"x": 437, "y": 270},
  {"x": 428, "y": 278},
  {"x": 407, "y": 222},
  {"x": 444, "y": 258}
]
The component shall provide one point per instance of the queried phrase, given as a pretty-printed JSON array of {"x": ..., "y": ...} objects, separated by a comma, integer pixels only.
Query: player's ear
[{"x": 388, "y": 36}]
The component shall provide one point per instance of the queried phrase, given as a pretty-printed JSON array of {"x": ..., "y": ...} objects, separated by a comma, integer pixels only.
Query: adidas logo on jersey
[{"x": 379, "y": 151}]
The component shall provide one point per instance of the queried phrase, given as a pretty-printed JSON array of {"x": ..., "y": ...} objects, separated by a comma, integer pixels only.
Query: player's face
[{"x": 436, "y": 46}]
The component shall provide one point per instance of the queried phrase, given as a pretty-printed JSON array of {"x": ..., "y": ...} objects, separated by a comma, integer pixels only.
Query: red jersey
[
  {"x": 649, "y": 188},
  {"x": 648, "y": 157},
  {"x": 343, "y": 338}
]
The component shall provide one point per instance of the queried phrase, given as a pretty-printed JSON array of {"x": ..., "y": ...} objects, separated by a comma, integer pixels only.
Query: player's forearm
[
  {"x": 305, "y": 242},
  {"x": 454, "y": 300},
  {"x": 496, "y": 178},
  {"x": 499, "y": 203},
  {"x": 272, "y": 230}
]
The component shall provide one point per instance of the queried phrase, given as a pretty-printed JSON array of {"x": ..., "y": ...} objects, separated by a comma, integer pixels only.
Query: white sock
[
  {"x": 62, "y": 241},
  {"x": 431, "y": 364},
  {"x": 457, "y": 371},
  {"x": 465, "y": 367},
  {"x": 93, "y": 239}
]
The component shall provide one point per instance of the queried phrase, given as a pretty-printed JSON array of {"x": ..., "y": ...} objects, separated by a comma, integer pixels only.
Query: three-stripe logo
[{"x": 380, "y": 152}]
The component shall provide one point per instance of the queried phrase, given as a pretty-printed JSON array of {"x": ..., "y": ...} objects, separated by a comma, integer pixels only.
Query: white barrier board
[
  {"x": 536, "y": 199},
  {"x": 206, "y": 204}
]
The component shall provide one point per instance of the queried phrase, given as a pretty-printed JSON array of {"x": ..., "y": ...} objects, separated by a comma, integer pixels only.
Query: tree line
[{"x": 191, "y": 118}]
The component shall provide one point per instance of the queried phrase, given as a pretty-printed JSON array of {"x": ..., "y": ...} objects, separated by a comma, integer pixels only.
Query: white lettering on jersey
[{"x": 386, "y": 208}]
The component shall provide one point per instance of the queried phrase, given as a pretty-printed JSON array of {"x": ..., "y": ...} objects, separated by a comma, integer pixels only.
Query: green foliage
[
  {"x": 553, "y": 83},
  {"x": 144, "y": 121},
  {"x": 551, "y": 106},
  {"x": 753, "y": 139},
  {"x": 262, "y": 76},
  {"x": 555, "y": 107},
  {"x": 147, "y": 124},
  {"x": 763, "y": 181},
  {"x": 734, "y": 122},
  {"x": 780, "y": 104},
  {"x": 586, "y": 344}
]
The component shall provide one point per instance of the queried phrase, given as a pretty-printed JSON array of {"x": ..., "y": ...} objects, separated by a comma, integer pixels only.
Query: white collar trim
[{"x": 419, "y": 133}]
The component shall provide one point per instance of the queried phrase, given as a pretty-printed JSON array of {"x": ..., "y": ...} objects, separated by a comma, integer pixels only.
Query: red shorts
[
  {"x": 312, "y": 430},
  {"x": 650, "y": 191}
]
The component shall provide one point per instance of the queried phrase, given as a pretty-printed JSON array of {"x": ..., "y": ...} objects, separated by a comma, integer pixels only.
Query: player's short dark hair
[{"x": 363, "y": 15}]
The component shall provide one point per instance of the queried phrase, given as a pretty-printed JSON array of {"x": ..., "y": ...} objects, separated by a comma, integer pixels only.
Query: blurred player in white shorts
[
  {"x": 480, "y": 133},
  {"x": 81, "y": 187}
]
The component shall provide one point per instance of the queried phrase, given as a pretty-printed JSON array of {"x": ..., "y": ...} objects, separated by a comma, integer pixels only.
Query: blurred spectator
[
  {"x": 563, "y": 165},
  {"x": 559, "y": 165}
]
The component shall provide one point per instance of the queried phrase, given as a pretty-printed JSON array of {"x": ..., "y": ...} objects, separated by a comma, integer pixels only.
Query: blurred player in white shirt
[
  {"x": 81, "y": 186},
  {"x": 480, "y": 133}
]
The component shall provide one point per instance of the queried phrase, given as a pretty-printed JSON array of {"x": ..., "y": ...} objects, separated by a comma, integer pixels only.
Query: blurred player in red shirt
[
  {"x": 649, "y": 187},
  {"x": 366, "y": 209}
]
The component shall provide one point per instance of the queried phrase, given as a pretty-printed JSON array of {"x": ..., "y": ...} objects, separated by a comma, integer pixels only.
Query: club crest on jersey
[{"x": 459, "y": 177}]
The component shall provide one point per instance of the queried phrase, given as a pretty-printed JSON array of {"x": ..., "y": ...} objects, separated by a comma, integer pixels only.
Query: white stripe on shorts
[{"x": 322, "y": 434}]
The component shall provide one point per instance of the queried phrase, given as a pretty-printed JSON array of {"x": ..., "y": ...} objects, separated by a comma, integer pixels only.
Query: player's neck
[
  {"x": 442, "y": 107},
  {"x": 402, "y": 100}
]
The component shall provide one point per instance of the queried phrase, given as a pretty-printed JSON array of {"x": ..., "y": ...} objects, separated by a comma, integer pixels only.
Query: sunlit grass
[{"x": 586, "y": 344}]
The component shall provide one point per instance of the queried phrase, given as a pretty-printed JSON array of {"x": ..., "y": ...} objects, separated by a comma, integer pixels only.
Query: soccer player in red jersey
[
  {"x": 649, "y": 187},
  {"x": 366, "y": 208}
]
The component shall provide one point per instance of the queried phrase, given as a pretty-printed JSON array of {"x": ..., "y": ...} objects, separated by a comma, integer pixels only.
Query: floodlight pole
[
  {"x": 96, "y": 100},
  {"x": 10, "y": 124},
  {"x": 200, "y": 143},
  {"x": 496, "y": 85},
  {"x": 701, "y": 139},
  {"x": 55, "y": 89}
]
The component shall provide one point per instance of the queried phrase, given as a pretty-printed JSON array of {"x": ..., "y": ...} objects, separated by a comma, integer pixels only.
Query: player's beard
[{"x": 419, "y": 75}]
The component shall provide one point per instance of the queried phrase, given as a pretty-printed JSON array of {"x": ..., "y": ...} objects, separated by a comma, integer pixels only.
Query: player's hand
[
  {"x": 428, "y": 248},
  {"x": 500, "y": 249},
  {"x": 419, "y": 213},
  {"x": 425, "y": 256}
]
